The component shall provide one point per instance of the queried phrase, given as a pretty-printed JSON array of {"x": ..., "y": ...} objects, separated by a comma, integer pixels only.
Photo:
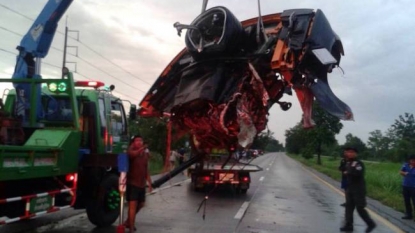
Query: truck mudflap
[{"x": 40, "y": 203}]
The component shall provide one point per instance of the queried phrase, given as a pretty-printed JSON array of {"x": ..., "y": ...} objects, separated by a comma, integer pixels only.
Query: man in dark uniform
[
  {"x": 342, "y": 169},
  {"x": 356, "y": 191}
]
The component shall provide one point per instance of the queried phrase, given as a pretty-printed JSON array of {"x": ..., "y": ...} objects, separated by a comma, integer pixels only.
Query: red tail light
[
  {"x": 70, "y": 177},
  {"x": 206, "y": 178},
  {"x": 105, "y": 137},
  {"x": 245, "y": 179}
]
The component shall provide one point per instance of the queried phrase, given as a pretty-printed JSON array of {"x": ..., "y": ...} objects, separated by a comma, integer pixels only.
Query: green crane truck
[
  {"x": 65, "y": 158},
  {"x": 60, "y": 140}
]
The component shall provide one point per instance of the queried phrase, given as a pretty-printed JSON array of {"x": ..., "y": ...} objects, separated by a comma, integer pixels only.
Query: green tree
[
  {"x": 295, "y": 139},
  {"x": 379, "y": 144},
  {"x": 402, "y": 134},
  {"x": 274, "y": 145},
  {"x": 262, "y": 140},
  {"x": 404, "y": 127},
  {"x": 153, "y": 131},
  {"x": 356, "y": 142},
  {"x": 323, "y": 133}
]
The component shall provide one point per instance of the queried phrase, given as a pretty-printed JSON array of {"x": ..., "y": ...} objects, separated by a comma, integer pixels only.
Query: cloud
[{"x": 138, "y": 35}]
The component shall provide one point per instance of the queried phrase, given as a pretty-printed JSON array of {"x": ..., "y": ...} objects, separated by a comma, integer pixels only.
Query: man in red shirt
[{"x": 137, "y": 176}]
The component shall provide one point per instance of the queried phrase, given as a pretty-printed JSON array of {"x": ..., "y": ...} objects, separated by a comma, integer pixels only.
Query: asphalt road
[{"x": 284, "y": 197}]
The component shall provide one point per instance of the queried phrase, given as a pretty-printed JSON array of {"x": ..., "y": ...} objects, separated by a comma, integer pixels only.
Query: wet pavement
[{"x": 284, "y": 197}]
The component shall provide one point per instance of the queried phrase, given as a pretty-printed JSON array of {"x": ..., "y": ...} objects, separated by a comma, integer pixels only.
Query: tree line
[{"x": 394, "y": 145}]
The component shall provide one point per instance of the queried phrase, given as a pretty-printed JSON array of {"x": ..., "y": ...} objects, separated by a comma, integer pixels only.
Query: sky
[{"x": 128, "y": 43}]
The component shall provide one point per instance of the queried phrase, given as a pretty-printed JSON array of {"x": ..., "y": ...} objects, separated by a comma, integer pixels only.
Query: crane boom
[{"x": 34, "y": 46}]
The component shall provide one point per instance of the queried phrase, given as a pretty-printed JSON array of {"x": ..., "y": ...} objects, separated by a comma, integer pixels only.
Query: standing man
[
  {"x": 181, "y": 157},
  {"x": 342, "y": 169},
  {"x": 173, "y": 156},
  {"x": 137, "y": 176},
  {"x": 356, "y": 191},
  {"x": 408, "y": 186}
]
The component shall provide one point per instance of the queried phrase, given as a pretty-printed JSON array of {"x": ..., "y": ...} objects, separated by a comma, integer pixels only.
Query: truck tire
[
  {"x": 243, "y": 190},
  {"x": 194, "y": 184},
  {"x": 104, "y": 209}
]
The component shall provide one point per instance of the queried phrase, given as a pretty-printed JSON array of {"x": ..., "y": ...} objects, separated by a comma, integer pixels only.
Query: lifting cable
[{"x": 204, "y": 201}]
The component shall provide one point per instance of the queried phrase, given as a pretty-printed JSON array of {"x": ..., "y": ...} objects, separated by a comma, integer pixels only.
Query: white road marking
[
  {"x": 242, "y": 210},
  {"x": 262, "y": 178}
]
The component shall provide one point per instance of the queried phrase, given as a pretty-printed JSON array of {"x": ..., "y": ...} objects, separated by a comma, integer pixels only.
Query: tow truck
[
  {"x": 60, "y": 139},
  {"x": 212, "y": 171}
]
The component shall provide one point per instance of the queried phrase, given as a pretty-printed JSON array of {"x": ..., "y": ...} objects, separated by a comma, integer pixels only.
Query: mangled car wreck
[{"x": 220, "y": 88}]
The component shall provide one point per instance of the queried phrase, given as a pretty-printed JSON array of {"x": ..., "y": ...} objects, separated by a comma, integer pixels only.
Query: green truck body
[{"x": 82, "y": 132}]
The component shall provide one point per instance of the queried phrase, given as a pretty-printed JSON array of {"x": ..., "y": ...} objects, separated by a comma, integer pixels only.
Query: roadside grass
[
  {"x": 155, "y": 165},
  {"x": 383, "y": 182}
]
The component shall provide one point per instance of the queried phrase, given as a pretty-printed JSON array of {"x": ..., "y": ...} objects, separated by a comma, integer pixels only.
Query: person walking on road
[
  {"x": 342, "y": 169},
  {"x": 136, "y": 179},
  {"x": 181, "y": 157},
  {"x": 173, "y": 156},
  {"x": 408, "y": 186},
  {"x": 356, "y": 191}
]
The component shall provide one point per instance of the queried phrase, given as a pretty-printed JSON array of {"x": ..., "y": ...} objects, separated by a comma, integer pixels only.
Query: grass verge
[
  {"x": 155, "y": 165},
  {"x": 383, "y": 182}
]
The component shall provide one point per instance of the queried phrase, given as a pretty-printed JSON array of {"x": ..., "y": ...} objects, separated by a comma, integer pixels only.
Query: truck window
[
  {"x": 102, "y": 112},
  {"x": 57, "y": 109},
  {"x": 118, "y": 121}
]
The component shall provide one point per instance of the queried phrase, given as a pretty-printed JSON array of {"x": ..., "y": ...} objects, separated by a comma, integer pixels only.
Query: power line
[
  {"x": 7, "y": 51},
  {"x": 15, "y": 54},
  {"x": 128, "y": 84},
  {"x": 16, "y": 12},
  {"x": 58, "y": 67},
  {"x": 86, "y": 46},
  {"x": 113, "y": 91},
  {"x": 80, "y": 58},
  {"x": 8, "y": 30},
  {"x": 112, "y": 62},
  {"x": 21, "y": 35}
]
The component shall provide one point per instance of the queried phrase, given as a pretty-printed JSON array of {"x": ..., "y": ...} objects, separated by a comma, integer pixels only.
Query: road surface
[{"x": 284, "y": 197}]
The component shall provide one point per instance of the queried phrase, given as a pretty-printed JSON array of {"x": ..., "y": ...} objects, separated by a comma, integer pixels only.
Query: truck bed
[{"x": 230, "y": 166}]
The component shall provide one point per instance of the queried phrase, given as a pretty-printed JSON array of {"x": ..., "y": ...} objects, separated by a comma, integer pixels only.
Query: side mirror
[{"x": 133, "y": 112}]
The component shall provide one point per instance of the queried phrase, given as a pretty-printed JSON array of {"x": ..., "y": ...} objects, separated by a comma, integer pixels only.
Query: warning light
[
  {"x": 62, "y": 87},
  {"x": 53, "y": 87},
  {"x": 57, "y": 87},
  {"x": 94, "y": 84}
]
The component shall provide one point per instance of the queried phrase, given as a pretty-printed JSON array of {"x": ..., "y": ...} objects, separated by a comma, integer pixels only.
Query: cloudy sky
[{"x": 129, "y": 42}]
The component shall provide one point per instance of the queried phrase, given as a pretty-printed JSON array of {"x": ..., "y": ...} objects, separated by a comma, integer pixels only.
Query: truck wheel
[
  {"x": 194, "y": 184},
  {"x": 195, "y": 188},
  {"x": 243, "y": 191},
  {"x": 104, "y": 209}
]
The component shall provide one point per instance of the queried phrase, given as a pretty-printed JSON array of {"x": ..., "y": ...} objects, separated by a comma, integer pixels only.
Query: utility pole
[
  {"x": 65, "y": 46},
  {"x": 64, "y": 49}
]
